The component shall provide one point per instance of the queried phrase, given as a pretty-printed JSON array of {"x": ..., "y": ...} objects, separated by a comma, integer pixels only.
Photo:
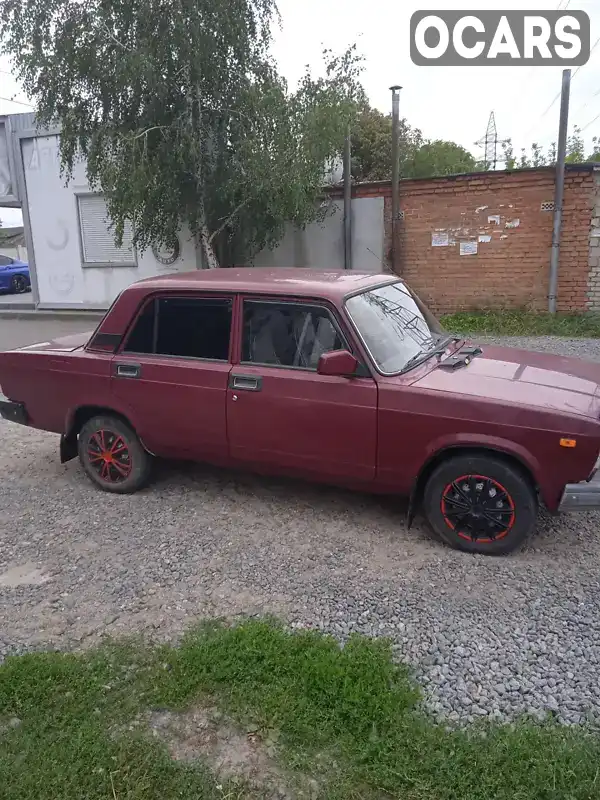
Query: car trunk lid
[{"x": 64, "y": 344}]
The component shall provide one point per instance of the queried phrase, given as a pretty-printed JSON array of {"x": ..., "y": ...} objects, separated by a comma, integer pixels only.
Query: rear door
[
  {"x": 171, "y": 375},
  {"x": 282, "y": 413}
]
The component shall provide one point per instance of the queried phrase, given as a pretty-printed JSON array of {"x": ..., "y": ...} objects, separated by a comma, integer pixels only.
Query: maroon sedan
[{"x": 339, "y": 377}]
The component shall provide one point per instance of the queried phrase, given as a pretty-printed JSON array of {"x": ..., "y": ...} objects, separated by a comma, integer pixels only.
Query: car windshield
[{"x": 395, "y": 326}]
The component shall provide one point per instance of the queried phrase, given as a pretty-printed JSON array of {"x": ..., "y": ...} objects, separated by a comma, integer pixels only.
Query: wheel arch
[
  {"x": 452, "y": 451},
  {"x": 76, "y": 420}
]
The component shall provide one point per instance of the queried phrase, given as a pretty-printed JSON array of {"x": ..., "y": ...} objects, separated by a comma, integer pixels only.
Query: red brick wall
[{"x": 510, "y": 271}]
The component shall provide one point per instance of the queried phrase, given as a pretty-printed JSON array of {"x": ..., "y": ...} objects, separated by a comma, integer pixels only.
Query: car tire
[
  {"x": 480, "y": 504},
  {"x": 113, "y": 456},
  {"x": 18, "y": 284}
]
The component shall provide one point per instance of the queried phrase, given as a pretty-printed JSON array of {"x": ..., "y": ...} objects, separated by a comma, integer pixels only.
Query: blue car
[{"x": 14, "y": 275}]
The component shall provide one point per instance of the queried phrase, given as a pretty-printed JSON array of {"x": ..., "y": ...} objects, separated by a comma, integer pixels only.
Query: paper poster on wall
[
  {"x": 513, "y": 223},
  {"x": 440, "y": 239},
  {"x": 494, "y": 219},
  {"x": 468, "y": 248},
  {"x": 484, "y": 237}
]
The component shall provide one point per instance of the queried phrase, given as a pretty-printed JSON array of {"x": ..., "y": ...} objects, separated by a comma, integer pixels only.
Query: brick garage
[{"x": 512, "y": 269}]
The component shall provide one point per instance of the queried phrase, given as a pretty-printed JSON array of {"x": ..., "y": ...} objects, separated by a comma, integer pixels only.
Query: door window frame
[
  {"x": 363, "y": 371},
  {"x": 179, "y": 295}
]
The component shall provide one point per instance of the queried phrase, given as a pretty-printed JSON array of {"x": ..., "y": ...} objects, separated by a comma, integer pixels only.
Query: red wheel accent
[
  {"x": 479, "y": 509},
  {"x": 108, "y": 454}
]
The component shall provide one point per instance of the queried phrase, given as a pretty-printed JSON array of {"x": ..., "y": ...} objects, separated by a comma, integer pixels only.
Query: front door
[
  {"x": 170, "y": 378},
  {"x": 281, "y": 413}
]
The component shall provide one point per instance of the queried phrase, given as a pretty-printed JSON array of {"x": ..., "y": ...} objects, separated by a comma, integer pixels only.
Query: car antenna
[{"x": 381, "y": 261}]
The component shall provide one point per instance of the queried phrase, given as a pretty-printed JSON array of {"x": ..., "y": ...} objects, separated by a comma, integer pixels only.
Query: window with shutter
[{"x": 98, "y": 240}]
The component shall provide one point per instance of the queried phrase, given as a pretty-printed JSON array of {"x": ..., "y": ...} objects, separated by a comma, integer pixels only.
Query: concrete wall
[
  {"x": 321, "y": 244},
  {"x": 62, "y": 280},
  {"x": 464, "y": 242}
]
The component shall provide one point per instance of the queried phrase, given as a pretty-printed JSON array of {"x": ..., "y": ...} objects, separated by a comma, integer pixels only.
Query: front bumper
[
  {"x": 13, "y": 412},
  {"x": 580, "y": 496}
]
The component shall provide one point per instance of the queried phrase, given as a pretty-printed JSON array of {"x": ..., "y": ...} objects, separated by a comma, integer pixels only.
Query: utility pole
[
  {"x": 395, "y": 172},
  {"x": 490, "y": 143},
  {"x": 559, "y": 188},
  {"x": 348, "y": 200}
]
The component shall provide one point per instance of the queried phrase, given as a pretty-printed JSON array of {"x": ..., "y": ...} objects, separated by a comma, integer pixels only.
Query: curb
[
  {"x": 16, "y": 307},
  {"x": 27, "y": 312}
]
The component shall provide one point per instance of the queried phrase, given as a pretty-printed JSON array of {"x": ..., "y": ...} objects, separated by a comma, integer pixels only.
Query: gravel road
[{"x": 486, "y": 636}]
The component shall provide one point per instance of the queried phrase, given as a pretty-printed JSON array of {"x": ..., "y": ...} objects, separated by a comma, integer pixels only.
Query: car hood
[
  {"x": 540, "y": 380},
  {"x": 65, "y": 344}
]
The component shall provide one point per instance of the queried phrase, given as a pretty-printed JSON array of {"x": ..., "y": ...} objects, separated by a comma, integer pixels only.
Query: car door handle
[
  {"x": 128, "y": 370},
  {"x": 245, "y": 383}
]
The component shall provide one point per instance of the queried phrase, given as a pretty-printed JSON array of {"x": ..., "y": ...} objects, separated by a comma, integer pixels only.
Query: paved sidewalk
[
  {"x": 20, "y": 331},
  {"x": 15, "y": 301}
]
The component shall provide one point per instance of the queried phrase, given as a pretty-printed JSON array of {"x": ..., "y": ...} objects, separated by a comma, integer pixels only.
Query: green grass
[
  {"x": 347, "y": 717},
  {"x": 522, "y": 323}
]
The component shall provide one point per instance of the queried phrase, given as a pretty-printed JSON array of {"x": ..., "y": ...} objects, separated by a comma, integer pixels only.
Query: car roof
[{"x": 331, "y": 284}]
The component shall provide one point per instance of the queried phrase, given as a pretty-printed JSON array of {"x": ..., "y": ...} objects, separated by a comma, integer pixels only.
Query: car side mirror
[{"x": 338, "y": 362}]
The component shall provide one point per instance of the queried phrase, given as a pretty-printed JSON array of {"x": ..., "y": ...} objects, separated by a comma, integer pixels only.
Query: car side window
[
  {"x": 6, "y": 261},
  {"x": 188, "y": 327},
  {"x": 287, "y": 334}
]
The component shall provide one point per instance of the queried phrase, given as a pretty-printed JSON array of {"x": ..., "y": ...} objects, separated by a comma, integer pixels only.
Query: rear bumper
[
  {"x": 580, "y": 496},
  {"x": 13, "y": 412}
]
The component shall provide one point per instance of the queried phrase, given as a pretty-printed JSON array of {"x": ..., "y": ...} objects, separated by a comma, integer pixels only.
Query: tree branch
[
  {"x": 147, "y": 131},
  {"x": 228, "y": 220},
  {"x": 115, "y": 40}
]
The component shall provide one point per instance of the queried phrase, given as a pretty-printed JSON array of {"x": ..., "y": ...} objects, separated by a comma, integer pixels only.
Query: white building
[{"x": 73, "y": 260}]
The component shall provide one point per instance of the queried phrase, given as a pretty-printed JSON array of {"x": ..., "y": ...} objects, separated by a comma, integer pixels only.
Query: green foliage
[
  {"x": 181, "y": 113},
  {"x": 537, "y": 157},
  {"x": 595, "y": 154},
  {"x": 575, "y": 145},
  {"x": 419, "y": 157},
  {"x": 522, "y": 323},
  {"x": 440, "y": 158},
  {"x": 372, "y": 145},
  {"x": 347, "y": 717}
]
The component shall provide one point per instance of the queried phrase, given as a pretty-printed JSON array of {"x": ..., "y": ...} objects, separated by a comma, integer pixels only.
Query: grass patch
[
  {"x": 347, "y": 717},
  {"x": 522, "y": 323}
]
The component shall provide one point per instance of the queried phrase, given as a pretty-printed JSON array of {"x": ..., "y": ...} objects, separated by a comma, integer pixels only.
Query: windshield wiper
[
  {"x": 443, "y": 344},
  {"x": 423, "y": 355},
  {"x": 420, "y": 356}
]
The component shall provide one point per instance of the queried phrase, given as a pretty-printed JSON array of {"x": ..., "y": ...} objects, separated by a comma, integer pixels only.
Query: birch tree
[{"x": 181, "y": 114}]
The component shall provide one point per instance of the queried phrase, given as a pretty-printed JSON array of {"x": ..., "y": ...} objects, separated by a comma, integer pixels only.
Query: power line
[
  {"x": 581, "y": 107},
  {"x": 589, "y": 123},
  {"x": 593, "y": 47},
  {"x": 533, "y": 69},
  {"x": 537, "y": 122}
]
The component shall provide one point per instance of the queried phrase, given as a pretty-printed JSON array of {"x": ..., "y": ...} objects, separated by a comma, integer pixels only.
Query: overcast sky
[{"x": 444, "y": 102}]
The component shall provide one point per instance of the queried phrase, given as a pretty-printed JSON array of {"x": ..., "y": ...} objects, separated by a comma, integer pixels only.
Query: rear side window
[
  {"x": 195, "y": 327},
  {"x": 288, "y": 335},
  {"x": 6, "y": 261}
]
